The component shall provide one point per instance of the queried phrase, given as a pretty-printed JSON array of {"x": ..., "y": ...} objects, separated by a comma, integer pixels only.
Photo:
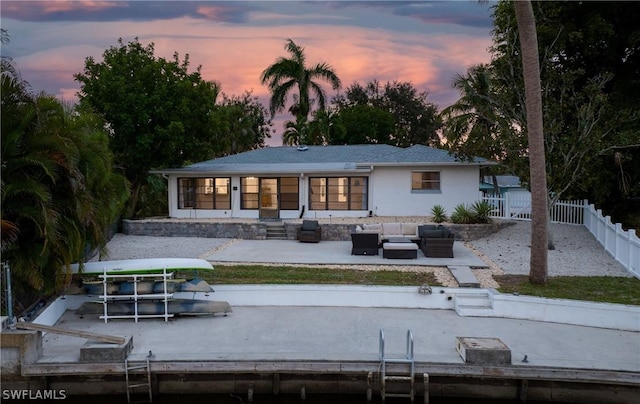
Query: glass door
[{"x": 269, "y": 198}]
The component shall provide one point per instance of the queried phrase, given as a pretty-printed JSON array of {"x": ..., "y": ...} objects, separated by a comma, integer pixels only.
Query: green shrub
[
  {"x": 439, "y": 214},
  {"x": 462, "y": 214},
  {"x": 481, "y": 212}
]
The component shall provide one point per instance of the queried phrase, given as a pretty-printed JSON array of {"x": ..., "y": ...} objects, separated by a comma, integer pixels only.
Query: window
[
  {"x": 249, "y": 193},
  {"x": 338, "y": 193},
  {"x": 425, "y": 181},
  {"x": 289, "y": 193},
  {"x": 288, "y": 189},
  {"x": 204, "y": 193}
]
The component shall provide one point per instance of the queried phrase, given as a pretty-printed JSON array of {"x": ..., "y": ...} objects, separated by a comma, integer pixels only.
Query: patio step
[
  {"x": 473, "y": 305},
  {"x": 464, "y": 276},
  {"x": 276, "y": 231}
]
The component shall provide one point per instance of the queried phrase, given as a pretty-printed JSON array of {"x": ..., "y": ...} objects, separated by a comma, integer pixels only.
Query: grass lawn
[
  {"x": 596, "y": 289},
  {"x": 607, "y": 289},
  {"x": 263, "y": 274}
]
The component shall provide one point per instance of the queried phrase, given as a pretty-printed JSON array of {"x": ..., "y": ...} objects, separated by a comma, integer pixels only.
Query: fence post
[
  {"x": 507, "y": 205},
  {"x": 7, "y": 274}
]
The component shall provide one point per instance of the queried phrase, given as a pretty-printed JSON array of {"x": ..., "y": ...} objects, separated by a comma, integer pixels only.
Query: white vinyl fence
[
  {"x": 517, "y": 206},
  {"x": 622, "y": 245}
]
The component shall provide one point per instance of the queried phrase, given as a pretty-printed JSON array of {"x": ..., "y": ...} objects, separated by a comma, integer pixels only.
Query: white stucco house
[{"x": 323, "y": 181}]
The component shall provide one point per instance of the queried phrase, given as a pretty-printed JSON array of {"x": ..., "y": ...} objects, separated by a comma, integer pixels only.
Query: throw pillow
[
  {"x": 425, "y": 227},
  {"x": 309, "y": 225},
  {"x": 432, "y": 233}
]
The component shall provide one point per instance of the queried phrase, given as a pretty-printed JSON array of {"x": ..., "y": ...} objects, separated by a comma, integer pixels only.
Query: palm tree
[
  {"x": 325, "y": 126},
  {"x": 295, "y": 133},
  {"x": 538, "y": 271},
  {"x": 58, "y": 191},
  {"x": 286, "y": 74},
  {"x": 474, "y": 120}
]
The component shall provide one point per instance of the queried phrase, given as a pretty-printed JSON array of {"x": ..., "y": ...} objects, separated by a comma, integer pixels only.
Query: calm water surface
[{"x": 283, "y": 399}]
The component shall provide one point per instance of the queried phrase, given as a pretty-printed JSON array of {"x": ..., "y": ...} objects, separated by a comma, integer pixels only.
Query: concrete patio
[{"x": 329, "y": 252}]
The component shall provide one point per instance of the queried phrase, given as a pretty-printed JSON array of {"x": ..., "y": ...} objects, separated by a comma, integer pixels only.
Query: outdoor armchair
[
  {"x": 310, "y": 231},
  {"x": 437, "y": 243}
]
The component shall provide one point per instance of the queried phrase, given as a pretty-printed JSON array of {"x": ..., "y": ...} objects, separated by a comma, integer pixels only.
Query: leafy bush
[
  {"x": 462, "y": 214},
  {"x": 439, "y": 214},
  {"x": 481, "y": 211}
]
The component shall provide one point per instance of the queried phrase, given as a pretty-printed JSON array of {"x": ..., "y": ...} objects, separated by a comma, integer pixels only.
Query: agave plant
[
  {"x": 462, "y": 214},
  {"x": 439, "y": 214},
  {"x": 481, "y": 211}
]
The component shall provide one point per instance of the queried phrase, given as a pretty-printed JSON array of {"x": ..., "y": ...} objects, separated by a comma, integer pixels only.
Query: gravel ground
[{"x": 577, "y": 253}]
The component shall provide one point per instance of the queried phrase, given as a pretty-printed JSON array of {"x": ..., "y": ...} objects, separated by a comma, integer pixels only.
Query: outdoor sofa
[{"x": 386, "y": 231}]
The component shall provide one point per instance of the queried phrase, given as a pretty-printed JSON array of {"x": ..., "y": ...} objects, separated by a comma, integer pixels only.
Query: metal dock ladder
[
  {"x": 398, "y": 377},
  {"x": 135, "y": 386}
]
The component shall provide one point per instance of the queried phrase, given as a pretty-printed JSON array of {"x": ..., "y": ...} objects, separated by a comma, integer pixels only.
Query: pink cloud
[
  {"x": 93, "y": 6},
  {"x": 235, "y": 55},
  {"x": 39, "y": 10}
]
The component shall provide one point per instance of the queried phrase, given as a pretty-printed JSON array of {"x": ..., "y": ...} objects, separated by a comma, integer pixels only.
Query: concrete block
[
  {"x": 93, "y": 351},
  {"x": 483, "y": 351},
  {"x": 464, "y": 276}
]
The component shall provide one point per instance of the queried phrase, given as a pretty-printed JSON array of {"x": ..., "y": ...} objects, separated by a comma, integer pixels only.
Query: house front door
[{"x": 269, "y": 198}]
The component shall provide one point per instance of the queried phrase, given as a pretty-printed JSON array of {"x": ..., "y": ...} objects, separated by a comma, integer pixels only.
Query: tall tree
[
  {"x": 241, "y": 124},
  {"x": 288, "y": 74},
  {"x": 538, "y": 270},
  {"x": 474, "y": 124},
  {"x": 325, "y": 126},
  {"x": 159, "y": 113},
  {"x": 59, "y": 194},
  {"x": 364, "y": 124},
  {"x": 416, "y": 120}
]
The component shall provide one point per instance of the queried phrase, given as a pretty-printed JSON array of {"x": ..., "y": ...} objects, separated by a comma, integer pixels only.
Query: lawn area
[
  {"x": 596, "y": 289},
  {"x": 263, "y": 274},
  {"x": 607, "y": 289}
]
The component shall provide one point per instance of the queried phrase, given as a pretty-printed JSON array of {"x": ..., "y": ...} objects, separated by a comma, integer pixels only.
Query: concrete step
[
  {"x": 473, "y": 305},
  {"x": 276, "y": 231},
  {"x": 464, "y": 276}
]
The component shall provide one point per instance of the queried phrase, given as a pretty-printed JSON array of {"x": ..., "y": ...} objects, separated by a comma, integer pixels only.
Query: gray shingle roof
[{"x": 327, "y": 158}]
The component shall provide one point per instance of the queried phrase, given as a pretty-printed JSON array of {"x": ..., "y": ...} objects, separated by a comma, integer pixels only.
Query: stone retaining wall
[
  {"x": 258, "y": 230},
  {"x": 330, "y": 232},
  {"x": 189, "y": 228},
  {"x": 468, "y": 232}
]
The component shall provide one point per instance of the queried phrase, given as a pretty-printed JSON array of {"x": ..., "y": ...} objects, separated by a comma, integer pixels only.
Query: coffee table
[{"x": 399, "y": 248}]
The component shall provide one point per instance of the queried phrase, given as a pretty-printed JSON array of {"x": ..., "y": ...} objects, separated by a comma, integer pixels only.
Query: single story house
[{"x": 323, "y": 181}]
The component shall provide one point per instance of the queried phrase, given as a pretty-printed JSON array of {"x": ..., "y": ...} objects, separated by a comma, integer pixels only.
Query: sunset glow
[{"x": 424, "y": 43}]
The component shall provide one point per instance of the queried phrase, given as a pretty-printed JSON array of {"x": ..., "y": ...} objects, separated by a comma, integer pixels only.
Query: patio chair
[{"x": 310, "y": 231}]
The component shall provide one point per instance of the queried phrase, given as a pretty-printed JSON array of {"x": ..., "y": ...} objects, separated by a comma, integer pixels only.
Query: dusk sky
[{"x": 425, "y": 43}]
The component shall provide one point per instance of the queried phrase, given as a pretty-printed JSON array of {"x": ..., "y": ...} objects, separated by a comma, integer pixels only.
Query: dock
[{"x": 319, "y": 339}]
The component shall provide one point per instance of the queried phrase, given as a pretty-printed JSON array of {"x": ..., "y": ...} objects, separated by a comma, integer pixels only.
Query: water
[{"x": 282, "y": 399}]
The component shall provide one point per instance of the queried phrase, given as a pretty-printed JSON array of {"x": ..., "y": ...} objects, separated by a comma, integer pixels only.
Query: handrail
[
  {"x": 409, "y": 344},
  {"x": 409, "y": 351}
]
